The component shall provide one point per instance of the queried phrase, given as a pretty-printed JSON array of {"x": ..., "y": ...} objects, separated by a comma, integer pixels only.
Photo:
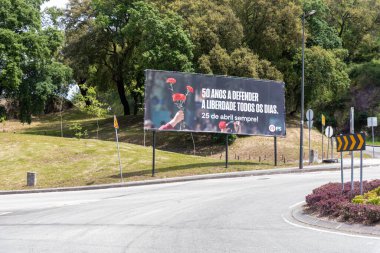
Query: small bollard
[{"x": 31, "y": 179}]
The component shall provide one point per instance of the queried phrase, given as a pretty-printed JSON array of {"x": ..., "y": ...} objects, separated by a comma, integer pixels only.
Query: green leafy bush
[
  {"x": 371, "y": 197},
  {"x": 221, "y": 138},
  {"x": 78, "y": 130}
]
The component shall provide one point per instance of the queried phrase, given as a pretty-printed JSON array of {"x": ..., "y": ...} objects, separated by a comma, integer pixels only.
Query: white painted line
[
  {"x": 4, "y": 213},
  {"x": 75, "y": 203},
  {"x": 296, "y": 204},
  {"x": 327, "y": 231}
]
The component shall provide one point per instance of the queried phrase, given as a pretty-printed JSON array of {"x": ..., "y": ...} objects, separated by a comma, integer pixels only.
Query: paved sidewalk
[{"x": 312, "y": 168}]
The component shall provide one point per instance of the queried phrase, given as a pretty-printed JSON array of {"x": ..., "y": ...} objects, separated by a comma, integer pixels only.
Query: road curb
[
  {"x": 299, "y": 215},
  {"x": 295, "y": 170}
]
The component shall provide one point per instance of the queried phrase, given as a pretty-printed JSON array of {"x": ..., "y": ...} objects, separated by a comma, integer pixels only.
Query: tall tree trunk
[
  {"x": 83, "y": 91},
  {"x": 123, "y": 98},
  {"x": 136, "y": 103}
]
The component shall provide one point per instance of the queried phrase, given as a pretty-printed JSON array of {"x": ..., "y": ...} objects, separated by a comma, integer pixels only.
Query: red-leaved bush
[{"x": 329, "y": 200}]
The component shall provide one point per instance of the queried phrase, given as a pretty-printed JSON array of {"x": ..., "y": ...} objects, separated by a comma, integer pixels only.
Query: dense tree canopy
[
  {"x": 29, "y": 73},
  {"x": 115, "y": 41},
  {"x": 109, "y": 44},
  {"x": 241, "y": 62}
]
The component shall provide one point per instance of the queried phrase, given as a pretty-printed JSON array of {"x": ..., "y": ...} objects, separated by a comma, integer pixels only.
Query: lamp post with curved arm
[{"x": 304, "y": 16}]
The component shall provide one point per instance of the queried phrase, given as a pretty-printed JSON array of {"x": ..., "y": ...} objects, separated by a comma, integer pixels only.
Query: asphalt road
[{"x": 223, "y": 215}]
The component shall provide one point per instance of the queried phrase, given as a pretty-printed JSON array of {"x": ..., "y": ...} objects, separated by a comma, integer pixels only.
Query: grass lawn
[
  {"x": 71, "y": 162},
  {"x": 246, "y": 148},
  {"x": 369, "y": 142}
]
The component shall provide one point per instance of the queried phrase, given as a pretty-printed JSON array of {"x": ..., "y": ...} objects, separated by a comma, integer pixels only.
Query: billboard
[{"x": 176, "y": 101}]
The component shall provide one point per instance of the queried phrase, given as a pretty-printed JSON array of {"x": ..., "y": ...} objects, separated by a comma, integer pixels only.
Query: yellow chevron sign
[{"x": 350, "y": 142}]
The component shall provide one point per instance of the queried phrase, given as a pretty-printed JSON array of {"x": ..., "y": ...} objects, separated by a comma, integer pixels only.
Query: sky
[{"x": 57, "y": 3}]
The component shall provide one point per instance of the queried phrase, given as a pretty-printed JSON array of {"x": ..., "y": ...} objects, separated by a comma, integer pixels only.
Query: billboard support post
[
  {"x": 275, "y": 150},
  {"x": 226, "y": 151},
  {"x": 154, "y": 153}
]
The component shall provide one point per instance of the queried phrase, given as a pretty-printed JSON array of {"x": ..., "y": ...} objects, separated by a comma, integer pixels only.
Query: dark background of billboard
[{"x": 160, "y": 109}]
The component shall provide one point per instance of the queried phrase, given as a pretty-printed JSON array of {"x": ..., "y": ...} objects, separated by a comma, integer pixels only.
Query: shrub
[
  {"x": 371, "y": 197},
  {"x": 221, "y": 138},
  {"x": 329, "y": 200},
  {"x": 78, "y": 130}
]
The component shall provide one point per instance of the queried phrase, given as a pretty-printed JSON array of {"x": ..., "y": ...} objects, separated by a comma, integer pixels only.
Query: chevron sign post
[{"x": 351, "y": 142}]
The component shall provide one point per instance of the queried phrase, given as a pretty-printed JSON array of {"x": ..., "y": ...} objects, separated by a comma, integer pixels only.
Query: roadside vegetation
[
  {"x": 244, "y": 148},
  {"x": 61, "y": 162},
  {"x": 329, "y": 201},
  {"x": 371, "y": 197}
]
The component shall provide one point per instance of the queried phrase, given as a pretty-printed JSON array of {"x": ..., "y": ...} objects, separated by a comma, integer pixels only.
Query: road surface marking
[
  {"x": 296, "y": 204},
  {"x": 4, "y": 213},
  {"x": 75, "y": 202},
  {"x": 327, "y": 231}
]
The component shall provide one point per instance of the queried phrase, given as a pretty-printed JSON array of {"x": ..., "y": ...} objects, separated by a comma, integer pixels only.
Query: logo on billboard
[{"x": 273, "y": 128}]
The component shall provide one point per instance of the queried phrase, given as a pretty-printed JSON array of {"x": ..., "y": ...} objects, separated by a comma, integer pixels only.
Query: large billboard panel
[{"x": 176, "y": 101}]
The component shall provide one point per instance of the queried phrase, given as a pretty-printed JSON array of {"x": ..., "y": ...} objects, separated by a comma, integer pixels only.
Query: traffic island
[
  {"x": 336, "y": 206},
  {"x": 301, "y": 217}
]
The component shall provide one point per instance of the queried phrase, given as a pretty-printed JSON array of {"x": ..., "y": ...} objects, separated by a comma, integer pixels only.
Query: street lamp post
[{"x": 304, "y": 16}]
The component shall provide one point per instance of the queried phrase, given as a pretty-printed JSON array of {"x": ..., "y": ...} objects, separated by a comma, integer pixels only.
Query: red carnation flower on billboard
[
  {"x": 190, "y": 89},
  {"x": 179, "y": 97},
  {"x": 171, "y": 80},
  {"x": 222, "y": 125}
]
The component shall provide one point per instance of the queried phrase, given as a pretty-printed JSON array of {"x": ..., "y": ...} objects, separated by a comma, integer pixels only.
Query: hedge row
[{"x": 329, "y": 200}]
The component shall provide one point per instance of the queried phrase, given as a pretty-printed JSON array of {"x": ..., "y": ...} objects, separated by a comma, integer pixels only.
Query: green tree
[
  {"x": 116, "y": 40},
  {"x": 326, "y": 78},
  {"x": 29, "y": 73},
  {"x": 321, "y": 33},
  {"x": 209, "y": 23},
  {"x": 272, "y": 29},
  {"x": 365, "y": 88},
  {"x": 358, "y": 25},
  {"x": 95, "y": 108},
  {"x": 241, "y": 62}
]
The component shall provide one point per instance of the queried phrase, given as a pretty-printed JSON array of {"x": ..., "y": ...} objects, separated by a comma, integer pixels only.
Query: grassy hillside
[
  {"x": 72, "y": 162},
  {"x": 131, "y": 131}
]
